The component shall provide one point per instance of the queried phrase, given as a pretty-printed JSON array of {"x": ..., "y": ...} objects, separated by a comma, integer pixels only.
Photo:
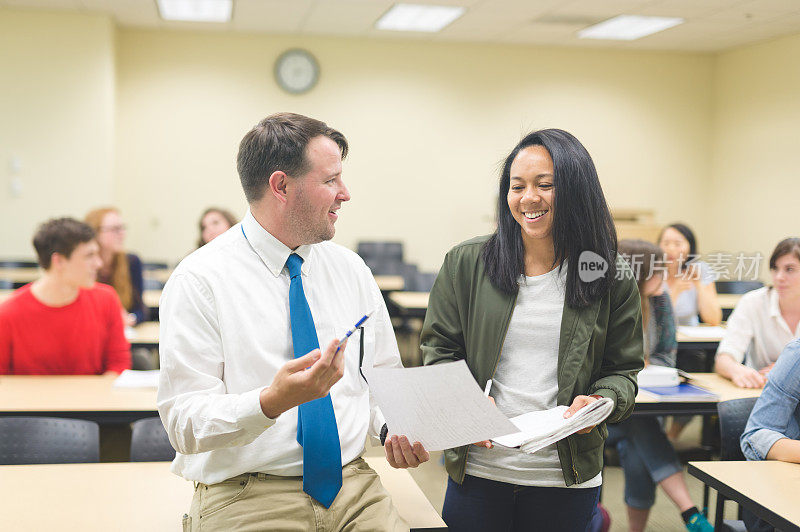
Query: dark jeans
[{"x": 490, "y": 506}]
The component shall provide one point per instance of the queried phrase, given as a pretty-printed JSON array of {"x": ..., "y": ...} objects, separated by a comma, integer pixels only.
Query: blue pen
[{"x": 351, "y": 331}]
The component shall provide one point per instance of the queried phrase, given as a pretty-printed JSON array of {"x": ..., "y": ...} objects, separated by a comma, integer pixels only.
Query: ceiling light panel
[
  {"x": 196, "y": 10},
  {"x": 415, "y": 17},
  {"x": 628, "y": 27}
]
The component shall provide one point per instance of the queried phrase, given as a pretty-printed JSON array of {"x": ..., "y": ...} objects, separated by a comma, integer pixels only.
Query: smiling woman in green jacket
[{"x": 545, "y": 308}]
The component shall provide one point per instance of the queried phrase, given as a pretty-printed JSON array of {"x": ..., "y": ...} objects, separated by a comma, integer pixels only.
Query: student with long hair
[
  {"x": 546, "y": 309},
  {"x": 763, "y": 322},
  {"x": 120, "y": 269},
  {"x": 213, "y": 222},
  {"x": 690, "y": 280},
  {"x": 647, "y": 457}
]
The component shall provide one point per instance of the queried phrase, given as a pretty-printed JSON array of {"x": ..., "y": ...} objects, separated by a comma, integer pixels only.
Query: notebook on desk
[{"x": 682, "y": 392}]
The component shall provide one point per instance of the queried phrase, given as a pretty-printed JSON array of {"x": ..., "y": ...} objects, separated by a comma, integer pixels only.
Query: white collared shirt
[
  {"x": 756, "y": 328},
  {"x": 225, "y": 333}
]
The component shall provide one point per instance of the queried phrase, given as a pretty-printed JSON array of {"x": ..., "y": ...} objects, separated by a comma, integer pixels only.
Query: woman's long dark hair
[{"x": 581, "y": 221}]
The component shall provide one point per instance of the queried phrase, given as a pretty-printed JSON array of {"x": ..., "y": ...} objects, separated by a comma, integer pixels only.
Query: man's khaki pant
[{"x": 258, "y": 502}]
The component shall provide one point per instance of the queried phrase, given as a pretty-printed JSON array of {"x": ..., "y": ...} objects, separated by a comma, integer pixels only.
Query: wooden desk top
[
  {"x": 697, "y": 339},
  {"x": 126, "y": 496},
  {"x": 151, "y": 298},
  {"x": 410, "y": 300},
  {"x": 144, "y": 334},
  {"x": 389, "y": 283},
  {"x": 770, "y": 484},
  {"x": 20, "y": 275},
  {"x": 728, "y": 301},
  {"x": 84, "y": 393},
  {"x": 712, "y": 382}
]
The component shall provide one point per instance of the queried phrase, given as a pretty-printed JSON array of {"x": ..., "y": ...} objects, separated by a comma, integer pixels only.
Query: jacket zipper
[
  {"x": 494, "y": 369},
  {"x": 572, "y": 461}
]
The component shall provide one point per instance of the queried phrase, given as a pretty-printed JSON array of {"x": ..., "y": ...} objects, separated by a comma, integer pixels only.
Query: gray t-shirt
[{"x": 525, "y": 380}]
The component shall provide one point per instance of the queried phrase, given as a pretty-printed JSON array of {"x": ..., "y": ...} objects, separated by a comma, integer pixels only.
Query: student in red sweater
[{"x": 64, "y": 323}]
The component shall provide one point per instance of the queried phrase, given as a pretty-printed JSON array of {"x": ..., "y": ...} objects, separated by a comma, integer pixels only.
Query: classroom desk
[
  {"x": 145, "y": 496},
  {"x": 20, "y": 275},
  {"x": 728, "y": 301},
  {"x": 649, "y": 405},
  {"x": 91, "y": 397},
  {"x": 143, "y": 335},
  {"x": 151, "y": 298},
  {"x": 768, "y": 489},
  {"x": 410, "y": 304},
  {"x": 390, "y": 283}
]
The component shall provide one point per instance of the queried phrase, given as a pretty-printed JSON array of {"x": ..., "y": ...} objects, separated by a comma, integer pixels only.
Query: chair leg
[
  {"x": 706, "y": 491},
  {"x": 720, "y": 510}
]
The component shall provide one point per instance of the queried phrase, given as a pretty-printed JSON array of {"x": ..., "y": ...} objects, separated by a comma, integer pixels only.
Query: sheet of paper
[
  {"x": 440, "y": 406},
  {"x": 137, "y": 379},
  {"x": 700, "y": 331}
]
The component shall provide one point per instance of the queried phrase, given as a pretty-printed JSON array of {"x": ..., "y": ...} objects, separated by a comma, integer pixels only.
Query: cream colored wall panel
[
  {"x": 57, "y": 109},
  {"x": 428, "y": 125},
  {"x": 755, "y": 178}
]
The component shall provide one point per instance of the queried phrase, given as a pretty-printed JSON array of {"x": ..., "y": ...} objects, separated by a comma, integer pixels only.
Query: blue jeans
[
  {"x": 483, "y": 505},
  {"x": 647, "y": 458}
]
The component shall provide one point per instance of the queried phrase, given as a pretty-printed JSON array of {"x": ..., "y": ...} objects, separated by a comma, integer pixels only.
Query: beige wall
[
  {"x": 756, "y": 158},
  {"x": 427, "y": 123},
  {"x": 56, "y": 120}
]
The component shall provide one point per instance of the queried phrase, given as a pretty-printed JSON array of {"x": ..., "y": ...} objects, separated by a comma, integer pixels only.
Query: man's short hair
[
  {"x": 278, "y": 143},
  {"x": 60, "y": 235}
]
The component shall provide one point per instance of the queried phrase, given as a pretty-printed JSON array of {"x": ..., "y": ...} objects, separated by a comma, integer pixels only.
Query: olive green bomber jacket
[{"x": 600, "y": 348}]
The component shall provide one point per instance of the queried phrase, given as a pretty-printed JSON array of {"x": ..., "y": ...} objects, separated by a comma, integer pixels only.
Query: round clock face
[{"x": 296, "y": 71}]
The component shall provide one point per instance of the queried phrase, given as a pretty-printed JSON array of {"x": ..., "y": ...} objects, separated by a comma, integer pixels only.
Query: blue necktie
[{"x": 316, "y": 425}]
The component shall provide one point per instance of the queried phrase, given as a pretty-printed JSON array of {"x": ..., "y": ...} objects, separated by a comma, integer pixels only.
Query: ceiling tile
[
  {"x": 279, "y": 16},
  {"x": 43, "y": 4},
  {"x": 753, "y": 11},
  {"x": 344, "y": 17},
  {"x": 688, "y": 9},
  {"x": 599, "y": 10},
  {"x": 495, "y": 18}
]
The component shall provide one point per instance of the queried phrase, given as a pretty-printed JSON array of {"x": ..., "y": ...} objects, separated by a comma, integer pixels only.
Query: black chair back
[
  {"x": 6, "y": 263},
  {"x": 421, "y": 282},
  {"x": 737, "y": 287},
  {"x": 47, "y": 440},
  {"x": 149, "y": 441},
  {"x": 733, "y": 416},
  {"x": 385, "y": 267},
  {"x": 388, "y": 251},
  {"x": 152, "y": 284},
  {"x": 155, "y": 266}
]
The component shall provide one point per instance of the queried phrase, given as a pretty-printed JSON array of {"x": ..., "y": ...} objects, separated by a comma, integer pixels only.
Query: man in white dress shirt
[{"x": 235, "y": 395}]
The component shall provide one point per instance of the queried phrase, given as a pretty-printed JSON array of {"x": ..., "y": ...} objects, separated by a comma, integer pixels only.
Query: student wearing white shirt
[
  {"x": 250, "y": 368},
  {"x": 763, "y": 322}
]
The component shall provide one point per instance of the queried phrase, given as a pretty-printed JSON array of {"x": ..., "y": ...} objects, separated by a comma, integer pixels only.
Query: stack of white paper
[
  {"x": 658, "y": 376},
  {"x": 137, "y": 379},
  {"x": 545, "y": 427}
]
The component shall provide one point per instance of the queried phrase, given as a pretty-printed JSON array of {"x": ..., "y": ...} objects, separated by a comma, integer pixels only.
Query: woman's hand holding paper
[{"x": 579, "y": 402}]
